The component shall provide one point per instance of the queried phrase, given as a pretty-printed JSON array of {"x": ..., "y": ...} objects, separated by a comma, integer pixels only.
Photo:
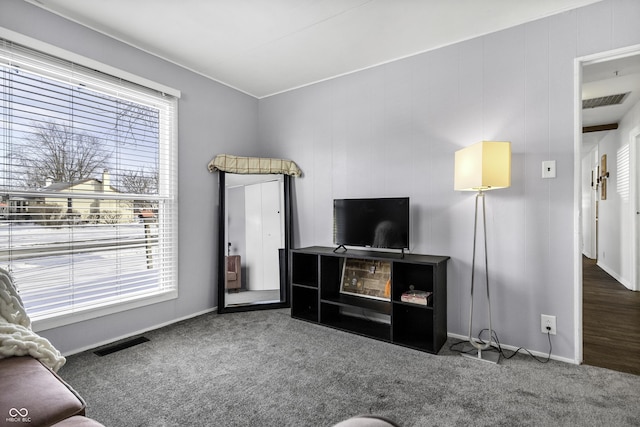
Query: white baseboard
[
  {"x": 138, "y": 332},
  {"x": 513, "y": 348},
  {"x": 588, "y": 254},
  {"x": 209, "y": 310},
  {"x": 613, "y": 274}
]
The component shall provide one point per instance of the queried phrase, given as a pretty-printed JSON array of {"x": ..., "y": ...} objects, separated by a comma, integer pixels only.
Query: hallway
[{"x": 611, "y": 321}]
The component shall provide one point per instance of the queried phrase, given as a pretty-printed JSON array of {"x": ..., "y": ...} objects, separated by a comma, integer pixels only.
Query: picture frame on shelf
[{"x": 366, "y": 278}]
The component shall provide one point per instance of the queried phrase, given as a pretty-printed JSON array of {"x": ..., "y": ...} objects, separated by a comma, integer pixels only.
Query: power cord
[{"x": 500, "y": 350}]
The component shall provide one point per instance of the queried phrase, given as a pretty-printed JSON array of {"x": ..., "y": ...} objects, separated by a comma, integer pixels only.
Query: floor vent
[
  {"x": 120, "y": 346},
  {"x": 604, "y": 101}
]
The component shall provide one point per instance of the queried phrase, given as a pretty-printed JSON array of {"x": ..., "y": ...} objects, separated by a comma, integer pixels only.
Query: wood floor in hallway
[{"x": 611, "y": 321}]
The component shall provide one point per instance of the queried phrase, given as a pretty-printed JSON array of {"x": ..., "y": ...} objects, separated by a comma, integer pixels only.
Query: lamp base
[{"x": 470, "y": 352}]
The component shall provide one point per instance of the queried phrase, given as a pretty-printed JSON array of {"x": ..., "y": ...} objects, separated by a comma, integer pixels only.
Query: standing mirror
[{"x": 254, "y": 239}]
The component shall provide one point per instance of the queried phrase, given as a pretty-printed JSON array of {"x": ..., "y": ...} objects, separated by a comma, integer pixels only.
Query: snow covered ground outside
[{"x": 105, "y": 261}]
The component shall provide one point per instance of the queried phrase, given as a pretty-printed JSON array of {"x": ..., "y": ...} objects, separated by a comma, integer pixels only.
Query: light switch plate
[{"x": 549, "y": 169}]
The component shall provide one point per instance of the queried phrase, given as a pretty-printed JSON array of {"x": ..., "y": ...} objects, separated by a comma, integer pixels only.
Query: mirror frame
[{"x": 285, "y": 292}]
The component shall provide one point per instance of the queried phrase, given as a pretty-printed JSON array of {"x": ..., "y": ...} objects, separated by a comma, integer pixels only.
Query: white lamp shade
[{"x": 483, "y": 166}]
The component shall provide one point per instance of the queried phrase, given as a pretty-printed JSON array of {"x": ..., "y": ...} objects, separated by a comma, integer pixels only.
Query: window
[{"x": 88, "y": 188}]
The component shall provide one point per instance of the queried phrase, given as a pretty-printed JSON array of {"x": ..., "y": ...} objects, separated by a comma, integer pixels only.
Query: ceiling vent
[{"x": 604, "y": 101}]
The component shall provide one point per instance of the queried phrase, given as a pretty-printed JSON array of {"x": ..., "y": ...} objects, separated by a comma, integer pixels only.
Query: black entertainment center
[{"x": 370, "y": 293}]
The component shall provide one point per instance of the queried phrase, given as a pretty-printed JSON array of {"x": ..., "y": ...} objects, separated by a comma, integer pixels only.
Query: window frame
[{"x": 170, "y": 225}]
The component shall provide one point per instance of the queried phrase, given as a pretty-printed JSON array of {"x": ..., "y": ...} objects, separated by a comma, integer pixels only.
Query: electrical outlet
[{"x": 547, "y": 324}]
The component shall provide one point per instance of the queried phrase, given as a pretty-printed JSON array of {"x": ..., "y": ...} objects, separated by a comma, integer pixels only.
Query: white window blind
[{"x": 88, "y": 187}]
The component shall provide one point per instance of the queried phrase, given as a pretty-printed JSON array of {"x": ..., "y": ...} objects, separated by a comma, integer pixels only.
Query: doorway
[{"x": 612, "y": 252}]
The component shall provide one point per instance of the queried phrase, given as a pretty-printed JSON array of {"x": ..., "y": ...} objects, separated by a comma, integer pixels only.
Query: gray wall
[
  {"x": 392, "y": 131},
  {"x": 213, "y": 119}
]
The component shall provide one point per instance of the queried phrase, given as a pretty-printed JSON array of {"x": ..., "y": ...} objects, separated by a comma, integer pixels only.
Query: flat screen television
[{"x": 376, "y": 222}]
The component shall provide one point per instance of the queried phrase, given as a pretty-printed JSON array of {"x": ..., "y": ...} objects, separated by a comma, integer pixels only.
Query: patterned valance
[{"x": 253, "y": 165}]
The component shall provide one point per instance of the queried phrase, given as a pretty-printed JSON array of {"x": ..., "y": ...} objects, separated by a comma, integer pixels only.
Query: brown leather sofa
[{"x": 33, "y": 395}]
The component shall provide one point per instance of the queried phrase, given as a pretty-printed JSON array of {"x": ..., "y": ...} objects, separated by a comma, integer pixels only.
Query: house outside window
[{"x": 88, "y": 187}]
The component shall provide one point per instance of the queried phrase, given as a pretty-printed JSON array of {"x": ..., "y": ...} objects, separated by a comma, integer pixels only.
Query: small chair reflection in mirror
[{"x": 233, "y": 278}]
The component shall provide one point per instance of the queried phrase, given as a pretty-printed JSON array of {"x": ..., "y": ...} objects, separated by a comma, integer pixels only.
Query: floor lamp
[{"x": 482, "y": 167}]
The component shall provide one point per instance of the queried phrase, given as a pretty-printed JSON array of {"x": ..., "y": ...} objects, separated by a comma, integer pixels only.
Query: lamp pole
[{"x": 478, "y": 344}]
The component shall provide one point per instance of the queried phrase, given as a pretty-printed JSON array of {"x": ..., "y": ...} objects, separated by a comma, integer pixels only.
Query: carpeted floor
[{"x": 264, "y": 368}]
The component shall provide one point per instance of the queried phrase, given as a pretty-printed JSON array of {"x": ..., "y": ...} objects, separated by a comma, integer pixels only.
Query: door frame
[
  {"x": 579, "y": 62},
  {"x": 634, "y": 191}
]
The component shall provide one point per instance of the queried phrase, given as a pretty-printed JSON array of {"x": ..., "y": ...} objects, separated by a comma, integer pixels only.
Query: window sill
[{"x": 79, "y": 315}]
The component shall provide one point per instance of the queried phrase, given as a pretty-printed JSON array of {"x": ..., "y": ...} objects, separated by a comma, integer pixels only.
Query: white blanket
[{"x": 16, "y": 336}]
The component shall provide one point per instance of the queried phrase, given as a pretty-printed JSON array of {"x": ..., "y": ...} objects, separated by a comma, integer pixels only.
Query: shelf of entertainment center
[
  {"x": 316, "y": 277},
  {"x": 334, "y": 318},
  {"x": 377, "y": 306}
]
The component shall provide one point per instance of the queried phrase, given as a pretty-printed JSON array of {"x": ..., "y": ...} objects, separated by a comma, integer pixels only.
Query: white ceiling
[
  {"x": 609, "y": 78},
  {"x": 606, "y": 78},
  {"x": 264, "y": 47}
]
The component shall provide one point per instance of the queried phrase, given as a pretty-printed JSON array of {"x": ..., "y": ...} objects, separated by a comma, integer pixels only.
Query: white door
[
  {"x": 264, "y": 228},
  {"x": 272, "y": 234}
]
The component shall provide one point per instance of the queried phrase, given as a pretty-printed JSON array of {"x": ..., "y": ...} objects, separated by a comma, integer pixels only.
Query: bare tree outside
[
  {"x": 135, "y": 122},
  {"x": 140, "y": 181},
  {"x": 59, "y": 153}
]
